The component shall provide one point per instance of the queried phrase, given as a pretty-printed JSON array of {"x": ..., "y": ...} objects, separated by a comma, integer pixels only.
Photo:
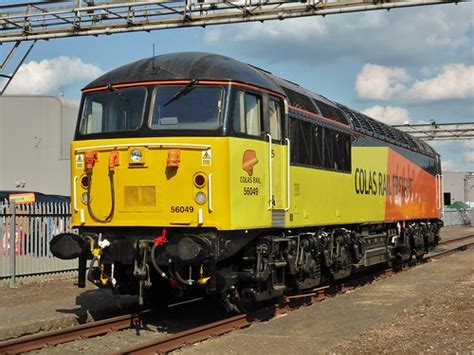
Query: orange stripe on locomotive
[{"x": 410, "y": 190}]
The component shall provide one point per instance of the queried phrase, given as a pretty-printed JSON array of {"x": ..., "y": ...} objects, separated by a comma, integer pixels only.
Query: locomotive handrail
[
  {"x": 439, "y": 191},
  {"x": 209, "y": 192},
  {"x": 74, "y": 194},
  {"x": 270, "y": 171},
  {"x": 148, "y": 145},
  {"x": 288, "y": 175}
]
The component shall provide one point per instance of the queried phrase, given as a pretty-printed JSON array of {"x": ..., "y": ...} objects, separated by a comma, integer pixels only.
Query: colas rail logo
[{"x": 249, "y": 160}]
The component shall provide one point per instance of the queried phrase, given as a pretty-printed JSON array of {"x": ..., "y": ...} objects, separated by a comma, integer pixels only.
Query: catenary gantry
[
  {"x": 439, "y": 131},
  {"x": 34, "y": 20}
]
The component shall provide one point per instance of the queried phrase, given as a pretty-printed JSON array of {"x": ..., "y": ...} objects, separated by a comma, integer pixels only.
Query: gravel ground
[
  {"x": 42, "y": 306},
  {"x": 107, "y": 344},
  {"x": 441, "y": 323}
]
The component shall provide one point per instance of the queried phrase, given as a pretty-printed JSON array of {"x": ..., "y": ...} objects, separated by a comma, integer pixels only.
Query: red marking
[
  {"x": 184, "y": 82},
  {"x": 161, "y": 240}
]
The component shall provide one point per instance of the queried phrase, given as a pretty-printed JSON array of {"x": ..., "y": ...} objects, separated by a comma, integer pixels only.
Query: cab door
[{"x": 278, "y": 159}]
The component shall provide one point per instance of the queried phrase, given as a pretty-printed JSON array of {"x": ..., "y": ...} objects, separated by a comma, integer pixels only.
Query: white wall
[
  {"x": 470, "y": 187},
  {"x": 453, "y": 182},
  {"x": 35, "y": 132}
]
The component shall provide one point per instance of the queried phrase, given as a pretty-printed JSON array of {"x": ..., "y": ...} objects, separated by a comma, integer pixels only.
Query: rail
[{"x": 88, "y": 330}]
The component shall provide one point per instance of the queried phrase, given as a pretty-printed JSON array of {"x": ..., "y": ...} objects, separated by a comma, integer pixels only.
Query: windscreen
[
  {"x": 189, "y": 107},
  {"x": 115, "y": 110}
]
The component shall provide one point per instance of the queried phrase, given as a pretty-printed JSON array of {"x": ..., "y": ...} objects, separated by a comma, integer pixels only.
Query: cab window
[
  {"x": 115, "y": 110},
  {"x": 274, "y": 113},
  {"x": 196, "y": 107},
  {"x": 247, "y": 114}
]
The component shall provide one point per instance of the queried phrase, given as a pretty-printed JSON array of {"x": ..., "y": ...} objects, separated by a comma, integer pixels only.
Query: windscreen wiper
[
  {"x": 119, "y": 93},
  {"x": 184, "y": 91}
]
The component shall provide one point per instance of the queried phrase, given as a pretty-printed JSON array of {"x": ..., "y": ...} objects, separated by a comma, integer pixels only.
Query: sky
[{"x": 405, "y": 65}]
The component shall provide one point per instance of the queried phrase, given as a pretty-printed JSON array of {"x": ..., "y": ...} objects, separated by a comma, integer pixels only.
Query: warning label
[
  {"x": 79, "y": 161},
  {"x": 206, "y": 158}
]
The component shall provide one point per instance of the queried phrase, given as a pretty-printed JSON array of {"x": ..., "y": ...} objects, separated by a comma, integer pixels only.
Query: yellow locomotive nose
[{"x": 148, "y": 187}]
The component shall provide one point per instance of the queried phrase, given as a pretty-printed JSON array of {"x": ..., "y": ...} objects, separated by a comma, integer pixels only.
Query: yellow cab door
[{"x": 278, "y": 160}]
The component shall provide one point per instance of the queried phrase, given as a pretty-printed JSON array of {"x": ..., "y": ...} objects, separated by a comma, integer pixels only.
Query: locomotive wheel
[{"x": 234, "y": 302}]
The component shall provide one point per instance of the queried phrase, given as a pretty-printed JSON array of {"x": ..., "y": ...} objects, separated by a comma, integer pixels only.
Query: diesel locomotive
[{"x": 194, "y": 172}]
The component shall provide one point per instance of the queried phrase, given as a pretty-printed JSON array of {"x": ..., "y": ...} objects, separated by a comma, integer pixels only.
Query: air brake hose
[
  {"x": 112, "y": 195},
  {"x": 155, "y": 264},
  {"x": 176, "y": 275},
  {"x": 113, "y": 161}
]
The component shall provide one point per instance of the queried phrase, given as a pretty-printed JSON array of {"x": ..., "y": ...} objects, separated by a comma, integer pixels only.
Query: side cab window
[
  {"x": 247, "y": 114},
  {"x": 275, "y": 118}
]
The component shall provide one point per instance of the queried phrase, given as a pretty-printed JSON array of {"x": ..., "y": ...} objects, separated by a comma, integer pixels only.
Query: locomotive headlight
[
  {"x": 85, "y": 198},
  {"x": 200, "y": 198},
  {"x": 136, "y": 156}
]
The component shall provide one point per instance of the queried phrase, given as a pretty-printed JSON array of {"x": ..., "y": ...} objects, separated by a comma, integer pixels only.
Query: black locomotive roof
[
  {"x": 208, "y": 66},
  {"x": 187, "y": 65}
]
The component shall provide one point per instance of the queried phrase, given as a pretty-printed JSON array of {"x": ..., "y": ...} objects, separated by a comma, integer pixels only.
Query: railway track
[
  {"x": 455, "y": 240},
  {"x": 88, "y": 330},
  {"x": 200, "y": 333},
  {"x": 439, "y": 254}
]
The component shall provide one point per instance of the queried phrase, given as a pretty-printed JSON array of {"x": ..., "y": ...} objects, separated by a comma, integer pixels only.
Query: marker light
[
  {"x": 200, "y": 198},
  {"x": 85, "y": 198},
  {"x": 199, "y": 180},
  {"x": 84, "y": 181}
]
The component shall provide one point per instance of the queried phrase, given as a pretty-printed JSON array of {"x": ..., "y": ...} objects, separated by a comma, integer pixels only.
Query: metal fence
[{"x": 35, "y": 225}]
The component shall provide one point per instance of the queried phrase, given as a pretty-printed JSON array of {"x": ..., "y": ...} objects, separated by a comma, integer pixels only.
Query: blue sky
[{"x": 412, "y": 64}]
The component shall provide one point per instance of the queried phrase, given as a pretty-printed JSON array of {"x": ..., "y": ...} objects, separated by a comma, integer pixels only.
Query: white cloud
[
  {"x": 469, "y": 156},
  {"x": 378, "y": 82},
  {"x": 469, "y": 151},
  {"x": 51, "y": 76},
  {"x": 455, "y": 81},
  {"x": 389, "y": 115}
]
